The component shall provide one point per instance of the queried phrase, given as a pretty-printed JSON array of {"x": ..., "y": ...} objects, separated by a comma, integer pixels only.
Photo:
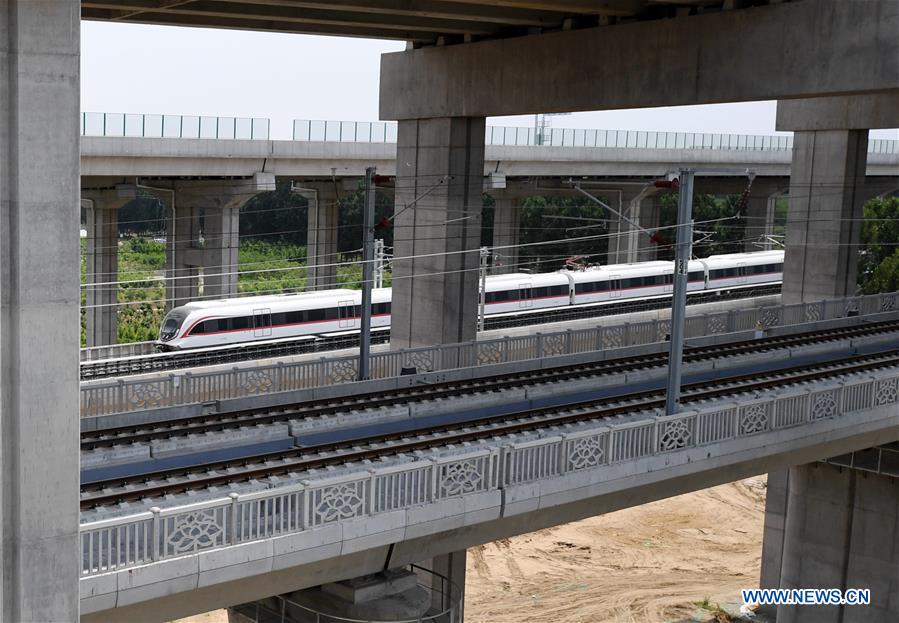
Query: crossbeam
[{"x": 795, "y": 50}]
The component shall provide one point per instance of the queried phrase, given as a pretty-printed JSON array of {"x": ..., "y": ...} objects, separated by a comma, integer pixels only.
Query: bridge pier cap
[{"x": 672, "y": 62}]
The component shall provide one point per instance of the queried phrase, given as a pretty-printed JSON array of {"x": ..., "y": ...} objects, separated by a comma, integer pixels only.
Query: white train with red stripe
[{"x": 215, "y": 323}]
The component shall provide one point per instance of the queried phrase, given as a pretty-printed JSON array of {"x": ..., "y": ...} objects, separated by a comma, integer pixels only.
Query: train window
[
  {"x": 380, "y": 308},
  {"x": 585, "y": 288},
  {"x": 317, "y": 315},
  {"x": 240, "y": 323},
  {"x": 169, "y": 329},
  {"x": 499, "y": 297},
  {"x": 279, "y": 319},
  {"x": 537, "y": 293},
  {"x": 696, "y": 275}
]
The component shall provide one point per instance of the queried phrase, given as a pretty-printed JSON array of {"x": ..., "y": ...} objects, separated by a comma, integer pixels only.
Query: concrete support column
[
  {"x": 321, "y": 237},
  {"x": 221, "y": 243},
  {"x": 182, "y": 254},
  {"x": 773, "y": 536},
  {"x": 627, "y": 243},
  {"x": 824, "y": 218},
  {"x": 40, "y": 554},
  {"x": 760, "y": 212},
  {"x": 506, "y": 221},
  {"x": 452, "y": 567},
  {"x": 439, "y": 187},
  {"x": 842, "y": 531},
  {"x": 102, "y": 265},
  {"x": 204, "y": 236}
]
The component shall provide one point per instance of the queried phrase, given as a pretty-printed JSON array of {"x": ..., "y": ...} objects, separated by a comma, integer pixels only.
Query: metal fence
[
  {"x": 159, "y": 534},
  {"x": 386, "y": 132},
  {"x": 173, "y": 126},
  {"x": 121, "y": 396}
]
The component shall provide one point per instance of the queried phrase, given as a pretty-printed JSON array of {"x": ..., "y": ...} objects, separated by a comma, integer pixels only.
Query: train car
[
  {"x": 743, "y": 269},
  {"x": 639, "y": 280},
  {"x": 233, "y": 321},
  {"x": 236, "y": 321},
  {"x": 522, "y": 291}
]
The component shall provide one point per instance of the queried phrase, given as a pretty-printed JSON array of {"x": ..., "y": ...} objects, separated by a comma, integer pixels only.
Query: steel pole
[
  {"x": 679, "y": 299},
  {"x": 368, "y": 257},
  {"x": 482, "y": 298}
]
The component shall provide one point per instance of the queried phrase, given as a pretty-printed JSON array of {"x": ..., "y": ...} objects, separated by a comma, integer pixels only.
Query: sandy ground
[{"x": 651, "y": 563}]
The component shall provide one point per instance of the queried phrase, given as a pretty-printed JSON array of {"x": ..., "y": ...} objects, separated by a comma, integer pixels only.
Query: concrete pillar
[
  {"x": 760, "y": 211},
  {"x": 842, "y": 531},
  {"x": 182, "y": 257},
  {"x": 221, "y": 242},
  {"x": 627, "y": 243},
  {"x": 321, "y": 237},
  {"x": 204, "y": 236},
  {"x": 102, "y": 265},
  {"x": 824, "y": 218},
  {"x": 39, "y": 300},
  {"x": 773, "y": 536},
  {"x": 437, "y": 230},
  {"x": 506, "y": 221},
  {"x": 452, "y": 567}
]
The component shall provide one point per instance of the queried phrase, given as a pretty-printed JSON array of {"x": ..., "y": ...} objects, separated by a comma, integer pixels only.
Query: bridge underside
[{"x": 424, "y": 23}]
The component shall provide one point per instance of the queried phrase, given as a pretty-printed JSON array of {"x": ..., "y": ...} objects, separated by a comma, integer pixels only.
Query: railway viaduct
[
  {"x": 833, "y": 66},
  {"x": 174, "y": 169}
]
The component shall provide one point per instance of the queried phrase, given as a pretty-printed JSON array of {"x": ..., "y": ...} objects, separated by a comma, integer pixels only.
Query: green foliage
[
  {"x": 878, "y": 265},
  {"x": 276, "y": 216},
  {"x": 352, "y": 204},
  {"x": 563, "y": 219},
  {"x": 717, "y": 215},
  {"x": 271, "y": 267}
]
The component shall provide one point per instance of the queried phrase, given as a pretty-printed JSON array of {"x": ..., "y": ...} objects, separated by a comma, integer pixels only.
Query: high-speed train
[{"x": 233, "y": 321}]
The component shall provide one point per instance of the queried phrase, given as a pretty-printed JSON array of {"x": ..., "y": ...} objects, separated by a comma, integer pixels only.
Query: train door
[
  {"x": 346, "y": 314},
  {"x": 668, "y": 281},
  {"x": 524, "y": 295},
  {"x": 742, "y": 273},
  {"x": 262, "y": 322},
  {"x": 614, "y": 286}
]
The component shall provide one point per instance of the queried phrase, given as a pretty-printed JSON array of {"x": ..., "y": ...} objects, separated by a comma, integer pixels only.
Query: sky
[{"x": 127, "y": 68}]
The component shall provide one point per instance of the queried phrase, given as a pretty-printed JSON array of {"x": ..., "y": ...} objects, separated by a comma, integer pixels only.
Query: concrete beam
[
  {"x": 841, "y": 47},
  {"x": 846, "y": 112},
  {"x": 40, "y": 550}
]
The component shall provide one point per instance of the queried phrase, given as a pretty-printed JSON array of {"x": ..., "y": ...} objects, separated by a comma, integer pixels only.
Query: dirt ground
[{"x": 651, "y": 563}]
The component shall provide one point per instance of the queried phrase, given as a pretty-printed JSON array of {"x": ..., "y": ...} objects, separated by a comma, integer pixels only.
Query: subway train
[{"x": 233, "y": 321}]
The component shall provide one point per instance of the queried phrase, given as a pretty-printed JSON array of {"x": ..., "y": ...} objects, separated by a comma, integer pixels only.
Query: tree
[
  {"x": 717, "y": 215},
  {"x": 276, "y": 216},
  {"x": 559, "y": 222},
  {"x": 878, "y": 264}
]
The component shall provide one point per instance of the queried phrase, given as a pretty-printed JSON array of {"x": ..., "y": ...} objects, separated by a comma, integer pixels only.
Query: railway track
[
  {"x": 160, "y": 362},
  {"x": 194, "y": 425},
  {"x": 295, "y": 460}
]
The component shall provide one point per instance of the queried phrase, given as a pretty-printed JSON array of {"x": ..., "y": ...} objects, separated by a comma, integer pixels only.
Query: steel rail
[
  {"x": 224, "y": 421},
  {"x": 294, "y": 460}
]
